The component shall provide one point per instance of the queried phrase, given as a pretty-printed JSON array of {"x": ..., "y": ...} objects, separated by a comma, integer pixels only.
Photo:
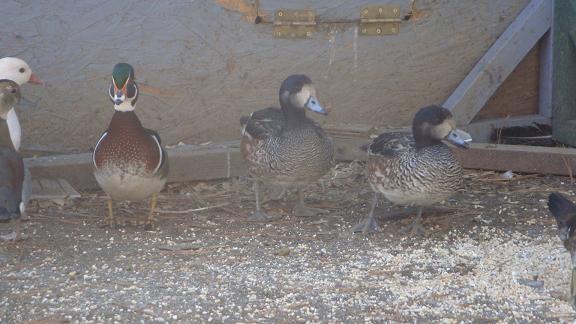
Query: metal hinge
[
  {"x": 379, "y": 20},
  {"x": 294, "y": 23}
]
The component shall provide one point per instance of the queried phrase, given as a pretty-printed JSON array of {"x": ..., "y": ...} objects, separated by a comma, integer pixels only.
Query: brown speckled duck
[
  {"x": 285, "y": 148},
  {"x": 13, "y": 177},
  {"x": 417, "y": 170},
  {"x": 129, "y": 160}
]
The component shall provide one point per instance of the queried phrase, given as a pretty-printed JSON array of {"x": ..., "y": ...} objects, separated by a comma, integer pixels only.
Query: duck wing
[
  {"x": 162, "y": 167},
  {"x": 264, "y": 123},
  {"x": 390, "y": 143}
]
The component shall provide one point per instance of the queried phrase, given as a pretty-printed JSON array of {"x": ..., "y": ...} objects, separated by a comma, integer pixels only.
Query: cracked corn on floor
[{"x": 492, "y": 255}]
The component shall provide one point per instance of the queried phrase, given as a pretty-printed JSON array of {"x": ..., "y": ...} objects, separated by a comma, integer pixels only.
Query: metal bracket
[
  {"x": 294, "y": 23},
  {"x": 379, "y": 20}
]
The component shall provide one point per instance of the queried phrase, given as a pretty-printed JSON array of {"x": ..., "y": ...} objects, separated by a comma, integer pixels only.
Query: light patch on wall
[{"x": 245, "y": 7}]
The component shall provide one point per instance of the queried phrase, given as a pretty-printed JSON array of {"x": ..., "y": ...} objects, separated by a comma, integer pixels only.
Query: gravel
[{"x": 493, "y": 255}]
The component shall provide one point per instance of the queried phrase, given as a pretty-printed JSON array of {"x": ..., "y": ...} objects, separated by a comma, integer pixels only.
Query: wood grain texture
[
  {"x": 218, "y": 66},
  {"x": 564, "y": 77},
  {"x": 200, "y": 163},
  {"x": 519, "y": 94},
  {"x": 500, "y": 60}
]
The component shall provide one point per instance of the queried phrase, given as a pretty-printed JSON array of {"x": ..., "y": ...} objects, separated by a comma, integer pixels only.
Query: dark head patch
[
  {"x": 294, "y": 83},
  {"x": 121, "y": 73},
  {"x": 433, "y": 115}
]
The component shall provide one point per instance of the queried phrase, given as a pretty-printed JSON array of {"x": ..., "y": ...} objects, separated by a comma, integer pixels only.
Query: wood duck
[
  {"x": 129, "y": 160},
  {"x": 564, "y": 211},
  {"x": 417, "y": 170},
  {"x": 14, "y": 183},
  {"x": 17, "y": 70},
  {"x": 285, "y": 148}
]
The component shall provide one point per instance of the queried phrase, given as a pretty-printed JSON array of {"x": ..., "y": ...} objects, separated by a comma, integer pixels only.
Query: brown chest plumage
[{"x": 127, "y": 144}]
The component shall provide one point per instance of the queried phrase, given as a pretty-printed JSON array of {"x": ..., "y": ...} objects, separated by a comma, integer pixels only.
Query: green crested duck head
[{"x": 123, "y": 91}]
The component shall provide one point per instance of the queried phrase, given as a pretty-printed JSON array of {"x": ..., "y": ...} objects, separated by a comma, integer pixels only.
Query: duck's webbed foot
[
  {"x": 415, "y": 228},
  {"x": 301, "y": 210},
  {"x": 259, "y": 216},
  {"x": 368, "y": 224}
]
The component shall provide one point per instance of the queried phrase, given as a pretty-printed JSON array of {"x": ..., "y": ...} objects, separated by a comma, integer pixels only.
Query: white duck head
[{"x": 17, "y": 70}]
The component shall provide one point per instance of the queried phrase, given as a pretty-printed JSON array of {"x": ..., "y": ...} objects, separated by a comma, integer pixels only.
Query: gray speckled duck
[
  {"x": 283, "y": 147},
  {"x": 14, "y": 178},
  {"x": 417, "y": 170},
  {"x": 129, "y": 160}
]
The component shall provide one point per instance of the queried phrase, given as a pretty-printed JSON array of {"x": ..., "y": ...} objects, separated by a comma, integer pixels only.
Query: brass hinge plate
[
  {"x": 379, "y": 20},
  {"x": 294, "y": 23}
]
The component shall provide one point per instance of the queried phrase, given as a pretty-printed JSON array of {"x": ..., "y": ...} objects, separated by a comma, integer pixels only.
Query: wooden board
[
  {"x": 481, "y": 131},
  {"x": 43, "y": 188},
  {"x": 217, "y": 161},
  {"x": 187, "y": 163},
  {"x": 214, "y": 65},
  {"x": 519, "y": 158},
  {"x": 564, "y": 78},
  {"x": 519, "y": 94},
  {"x": 499, "y": 61}
]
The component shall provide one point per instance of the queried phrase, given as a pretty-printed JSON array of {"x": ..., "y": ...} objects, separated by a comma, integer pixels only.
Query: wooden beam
[
  {"x": 499, "y": 61},
  {"x": 564, "y": 77},
  {"x": 219, "y": 161},
  {"x": 187, "y": 163},
  {"x": 481, "y": 131},
  {"x": 519, "y": 158},
  {"x": 546, "y": 73}
]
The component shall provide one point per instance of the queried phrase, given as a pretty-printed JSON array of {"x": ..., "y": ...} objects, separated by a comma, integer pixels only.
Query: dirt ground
[{"x": 492, "y": 255}]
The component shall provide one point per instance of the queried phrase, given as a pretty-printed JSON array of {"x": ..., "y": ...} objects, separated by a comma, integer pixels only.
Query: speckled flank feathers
[
  {"x": 410, "y": 176},
  {"x": 286, "y": 154},
  {"x": 284, "y": 147},
  {"x": 415, "y": 169}
]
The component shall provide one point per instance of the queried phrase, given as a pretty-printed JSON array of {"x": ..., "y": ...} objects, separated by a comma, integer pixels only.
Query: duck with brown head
[
  {"x": 285, "y": 148},
  {"x": 417, "y": 170}
]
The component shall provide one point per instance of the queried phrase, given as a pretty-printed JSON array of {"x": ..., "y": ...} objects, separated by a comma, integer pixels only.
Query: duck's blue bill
[
  {"x": 314, "y": 106},
  {"x": 459, "y": 138}
]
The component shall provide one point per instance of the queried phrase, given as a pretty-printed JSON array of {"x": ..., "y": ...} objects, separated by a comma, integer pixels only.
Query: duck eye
[{"x": 22, "y": 70}]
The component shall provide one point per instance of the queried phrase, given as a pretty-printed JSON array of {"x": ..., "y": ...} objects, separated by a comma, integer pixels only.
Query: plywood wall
[{"x": 214, "y": 65}]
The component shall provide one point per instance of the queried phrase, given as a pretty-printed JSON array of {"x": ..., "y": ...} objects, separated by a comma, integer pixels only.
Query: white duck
[{"x": 17, "y": 70}]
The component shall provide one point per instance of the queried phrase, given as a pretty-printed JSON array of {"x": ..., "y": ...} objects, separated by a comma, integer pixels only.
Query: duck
[
  {"x": 14, "y": 178},
  {"x": 129, "y": 161},
  {"x": 285, "y": 148},
  {"x": 17, "y": 70},
  {"x": 416, "y": 169},
  {"x": 564, "y": 211}
]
